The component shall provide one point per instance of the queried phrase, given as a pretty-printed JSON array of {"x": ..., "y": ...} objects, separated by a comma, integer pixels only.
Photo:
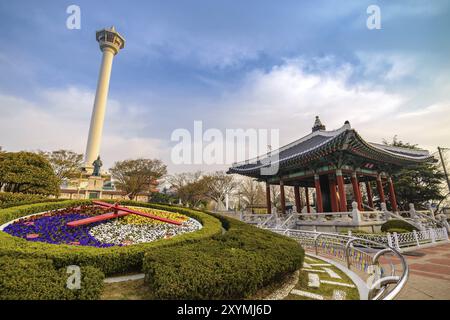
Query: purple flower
[{"x": 52, "y": 228}]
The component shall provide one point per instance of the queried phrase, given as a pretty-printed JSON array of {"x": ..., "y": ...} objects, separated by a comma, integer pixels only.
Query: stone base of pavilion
[
  {"x": 337, "y": 227},
  {"x": 336, "y": 222}
]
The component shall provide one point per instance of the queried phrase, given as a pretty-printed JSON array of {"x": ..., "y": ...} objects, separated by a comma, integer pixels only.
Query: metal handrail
[
  {"x": 399, "y": 217},
  {"x": 264, "y": 223},
  {"x": 288, "y": 219},
  {"x": 379, "y": 289},
  {"x": 433, "y": 220}
]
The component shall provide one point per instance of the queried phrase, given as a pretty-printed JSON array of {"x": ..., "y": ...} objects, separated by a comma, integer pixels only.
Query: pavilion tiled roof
[{"x": 321, "y": 143}]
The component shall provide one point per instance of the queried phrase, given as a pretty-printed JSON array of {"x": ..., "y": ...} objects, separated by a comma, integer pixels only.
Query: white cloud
[
  {"x": 388, "y": 66},
  {"x": 287, "y": 97},
  {"x": 428, "y": 126},
  {"x": 60, "y": 119}
]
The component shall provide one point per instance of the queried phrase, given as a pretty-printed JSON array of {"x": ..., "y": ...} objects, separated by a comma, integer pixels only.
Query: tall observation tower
[{"x": 110, "y": 42}]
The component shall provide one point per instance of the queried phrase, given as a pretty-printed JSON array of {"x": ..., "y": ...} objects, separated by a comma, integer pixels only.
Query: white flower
[{"x": 119, "y": 233}]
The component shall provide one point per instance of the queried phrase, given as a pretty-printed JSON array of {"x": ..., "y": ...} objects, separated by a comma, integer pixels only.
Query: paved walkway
[{"x": 429, "y": 274}]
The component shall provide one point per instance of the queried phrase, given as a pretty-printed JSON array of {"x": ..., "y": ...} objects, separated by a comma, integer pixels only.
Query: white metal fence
[{"x": 409, "y": 240}]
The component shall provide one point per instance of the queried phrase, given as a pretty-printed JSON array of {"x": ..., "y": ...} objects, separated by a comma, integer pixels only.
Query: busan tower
[{"x": 111, "y": 42}]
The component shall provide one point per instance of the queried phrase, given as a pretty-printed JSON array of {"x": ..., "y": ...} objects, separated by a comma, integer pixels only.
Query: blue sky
[{"x": 231, "y": 64}]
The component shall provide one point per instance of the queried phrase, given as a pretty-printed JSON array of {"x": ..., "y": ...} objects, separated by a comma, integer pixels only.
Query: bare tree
[
  {"x": 135, "y": 176},
  {"x": 252, "y": 192},
  {"x": 189, "y": 187},
  {"x": 219, "y": 184},
  {"x": 275, "y": 195},
  {"x": 65, "y": 163},
  {"x": 289, "y": 193}
]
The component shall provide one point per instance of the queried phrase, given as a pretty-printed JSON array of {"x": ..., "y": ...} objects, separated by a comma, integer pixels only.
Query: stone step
[
  {"x": 313, "y": 280},
  {"x": 307, "y": 294},
  {"x": 335, "y": 283},
  {"x": 339, "y": 295},
  {"x": 332, "y": 274}
]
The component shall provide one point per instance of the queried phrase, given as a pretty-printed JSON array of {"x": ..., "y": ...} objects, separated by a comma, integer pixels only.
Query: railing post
[
  {"x": 315, "y": 244},
  {"x": 389, "y": 239},
  {"x": 397, "y": 245},
  {"x": 432, "y": 235},
  {"x": 274, "y": 211},
  {"x": 412, "y": 211},
  {"x": 416, "y": 237},
  {"x": 347, "y": 257},
  {"x": 431, "y": 210},
  {"x": 356, "y": 218}
]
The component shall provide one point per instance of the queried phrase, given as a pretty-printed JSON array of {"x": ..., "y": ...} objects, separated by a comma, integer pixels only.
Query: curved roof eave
[{"x": 416, "y": 156}]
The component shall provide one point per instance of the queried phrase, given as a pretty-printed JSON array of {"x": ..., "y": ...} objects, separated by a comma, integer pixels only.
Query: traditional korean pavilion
[{"x": 327, "y": 161}]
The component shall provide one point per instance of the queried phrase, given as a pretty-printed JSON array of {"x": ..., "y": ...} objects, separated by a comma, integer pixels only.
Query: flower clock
[{"x": 52, "y": 227}]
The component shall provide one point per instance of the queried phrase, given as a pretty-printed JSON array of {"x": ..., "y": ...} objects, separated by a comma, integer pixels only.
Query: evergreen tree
[
  {"x": 419, "y": 184},
  {"x": 27, "y": 172}
]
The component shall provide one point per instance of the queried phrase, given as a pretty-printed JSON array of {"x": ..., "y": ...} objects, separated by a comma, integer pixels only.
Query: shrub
[
  {"x": 354, "y": 232},
  {"x": 110, "y": 260},
  {"x": 37, "y": 279},
  {"x": 398, "y": 230},
  {"x": 233, "y": 265},
  {"x": 9, "y": 199},
  {"x": 388, "y": 226}
]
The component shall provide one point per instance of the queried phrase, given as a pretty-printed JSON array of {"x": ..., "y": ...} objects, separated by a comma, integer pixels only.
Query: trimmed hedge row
[
  {"x": 9, "y": 199},
  {"x": 110, "y": 260},
  {"x": 37, "y": 279},
  {"x": 233, "y": 265},
  {"x": 395, "y": 225}
]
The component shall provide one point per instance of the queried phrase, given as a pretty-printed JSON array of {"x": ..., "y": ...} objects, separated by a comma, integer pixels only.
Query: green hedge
[
  {"x": 110, "y": 260},
  {"x": 390, "y": 225},
  {"x": 398, "y": 230},
  {"x": 9, "y": 199},
  {"x": 233, "y": 265},
  {"x": 37, "y": 279}
]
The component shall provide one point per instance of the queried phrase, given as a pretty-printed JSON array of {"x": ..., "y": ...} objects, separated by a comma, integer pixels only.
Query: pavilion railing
[
  {"x": 375, "y": 262},
  {"x": 423, "y": 219}
]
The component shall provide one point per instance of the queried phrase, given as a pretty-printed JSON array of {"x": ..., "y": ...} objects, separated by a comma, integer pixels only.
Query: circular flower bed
[{"x": 52, "y": 227}]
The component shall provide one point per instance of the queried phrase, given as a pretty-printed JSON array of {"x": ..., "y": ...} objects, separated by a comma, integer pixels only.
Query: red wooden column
[
  {"x": 298, "y": 201},
  {"x": 341, "y": 189},
  {"x": 356, "y": 191},
  {"x": 268, "y": 202},
  {"x": 308, "y": 205},
  {"x": 334, "y": 202},
  {"x": 282, "y": 197},
  {"x": 369, "y": 193},
  {"x": 380, "y": 189},
  {"x": 319, "y": 205},
  {"x": 392, "y": 197}
]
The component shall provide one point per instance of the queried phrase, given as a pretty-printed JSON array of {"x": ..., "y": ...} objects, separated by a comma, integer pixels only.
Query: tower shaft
[
  {"x": 98, "y": 112},
  {"x": 110, "y": 42}
]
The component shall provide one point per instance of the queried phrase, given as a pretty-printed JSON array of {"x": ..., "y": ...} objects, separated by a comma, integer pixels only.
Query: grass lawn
[
  {"x": 325, "y": 290},
  {"x": 128, "y": 290}
]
